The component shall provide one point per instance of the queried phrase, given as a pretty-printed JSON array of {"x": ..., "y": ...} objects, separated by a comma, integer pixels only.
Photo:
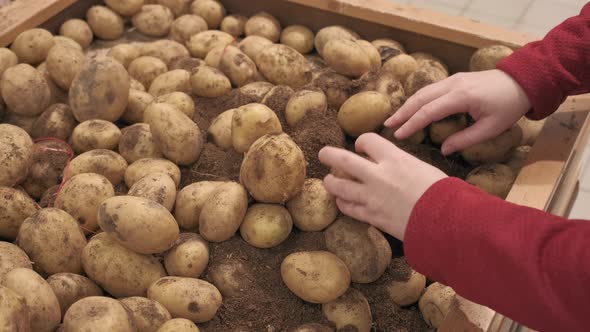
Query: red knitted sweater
[{"x": 524, "y": 263}]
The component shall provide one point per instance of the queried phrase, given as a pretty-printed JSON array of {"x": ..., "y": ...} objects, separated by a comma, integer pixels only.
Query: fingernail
[{"x": 447, "y": 150}]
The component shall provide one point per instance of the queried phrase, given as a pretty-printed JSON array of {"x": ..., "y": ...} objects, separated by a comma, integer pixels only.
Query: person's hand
[
  {"x": 492, "y": 98},
  {"x": 385, "y": 188}
]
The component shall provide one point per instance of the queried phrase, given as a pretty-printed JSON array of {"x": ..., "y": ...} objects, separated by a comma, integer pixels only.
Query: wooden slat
[{"x": 21, "y": 15}]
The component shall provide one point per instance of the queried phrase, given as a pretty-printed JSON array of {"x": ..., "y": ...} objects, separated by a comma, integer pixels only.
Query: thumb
[{"x": 480, "y": 131}]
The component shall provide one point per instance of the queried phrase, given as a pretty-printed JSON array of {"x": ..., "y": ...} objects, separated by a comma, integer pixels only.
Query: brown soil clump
[{"x": 214, "y": 164}]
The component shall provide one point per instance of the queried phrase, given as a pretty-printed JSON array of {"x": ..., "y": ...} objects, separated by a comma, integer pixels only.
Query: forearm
[
  {"x": 554, "y": 68},
  {"x": 526, "y": 264}
]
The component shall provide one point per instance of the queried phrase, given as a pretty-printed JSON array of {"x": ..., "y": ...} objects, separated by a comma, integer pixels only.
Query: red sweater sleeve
[
  {"x": 526, "y": 264},
  {"x": 554, "y": 68}
]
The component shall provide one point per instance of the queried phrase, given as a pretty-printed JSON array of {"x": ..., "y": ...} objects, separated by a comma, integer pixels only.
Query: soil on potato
[
  {"x": 214, "y": 164},
  {"x": 268, "y": 305}
]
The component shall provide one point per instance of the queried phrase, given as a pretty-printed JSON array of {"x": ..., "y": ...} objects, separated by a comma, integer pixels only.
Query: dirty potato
[
  {"x": 137, "y": 143},
  {"x": 439, "y": 131},
  {"x": 63, "y": 64},
  {"x": 50, "y": 158},
  {"x": 436, "y": 303},
  {"x": 231, "y": 276},
  {"x": 153, "y": 20},
  {"x": 203, "y": 42},
  {"x": 256, "y": 91},
  {"x": 223, "y": 212},
  {"x": 7, "y": 59},
  {"x": 407, "y": 292},
  {"x": 298, "y": 37},
  {"x": 166, "y": 50},
  {"x": 118, "y": 270},
  {"x": 186, "y": 26},
  {"x": 486, "y": 58},
  {"x": 12, "y": 257},
  {"x": 305, "y": 101},
  {"x": 105, "y": 23},
  {"x": 495, "y": 179},
  {"x": 494, "y": 150},
  {"x": 333, "y": 32},
  {"x": 24, "y": 90},
  {"x": 16, "y": 153},
  {"x": 98, "y": 313},
  {"x": 238, "y": 67},
  {"x": 266, "y": 225},
  {"x": 264, "y": 25},
  {"x": 315, "y": 276},
  {"x": 349, "y": 310},
  {"x": 78, "y": 30},
  {"x": 69, "y": 288},
  {"x": 190, "y": 201},
  {"x": 124, "y": 53},
  {"x": 400, "y": 66},
  {"x": 95, "y": 134},
  {"x": 189, "y": 256},
  {"x": 125, "y": 7},
  {"x": 172, "y": 81},
  {"x": 250, "y": 122},
  {"x": 178, "y": 325},
  {"x": 56, "y": 121},
  {"x": 32, "y": 46},
  {"x": 147, "y": 315},
  {"x": 364, "y": 112},
  {"x": 313, "y": 209},
  {"x": 145, "y": 69},
  {"x": 253, "y": 45},
  {"x": 142, "y": 167},
  {"x": 220, "y": 130},
  {"x": 182, "y": 101},
  {"x": 104, "y": 162},
  {"x": 138, "y": 102},
  {"x": 108, "y": 97},
  {"x": 209, "y": 82},
  {"x": 282, "y": 65},
  {"x": 158, "y": 187},
  {"x": 234, "y": 25},
  {"x": 211, "y": 10},
  {"x": 15, "y": 207},
  {"x": 213, "y": 58},
  {"x": 15, "y": 315}
]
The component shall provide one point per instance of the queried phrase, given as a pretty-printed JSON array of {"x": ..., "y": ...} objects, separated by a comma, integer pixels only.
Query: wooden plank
[{"x": 21, "y": 15}]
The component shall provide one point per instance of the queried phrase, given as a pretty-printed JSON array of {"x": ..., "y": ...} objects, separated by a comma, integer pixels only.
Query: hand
[
  {"x": 492, "y": 98},
  {"x": 385, "y": 188}
]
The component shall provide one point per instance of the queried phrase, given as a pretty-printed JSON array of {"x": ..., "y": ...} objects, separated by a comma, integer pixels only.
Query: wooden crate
[{"x": 548, "y": 180}]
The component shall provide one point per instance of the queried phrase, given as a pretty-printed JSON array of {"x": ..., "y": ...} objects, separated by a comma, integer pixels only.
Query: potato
[
  {"x": 211, "y": 10},
  {"x": 109, "y": 94},
  {"x": 302, "y": 102},
  {"x": 39, "y": 297},
  {"x": 63, "y": 63},
  {"x": 495, "y": 179},
  {"x": 31, "y": 46},
  {"x": 364, "y": 112},
  {"x": 400, "y": 66},
  {"x": 104, "y": 162},
  {"x": 436, "y": 303},
  {"x": 178, "y": 7},
  {"x": 166, "y": 50},
  {"x": 220, "y": 130},
  {"x": 238, "y": 67},
  {"x": 188, "y": 298},
  {"x": 347, "y": 57},
  {"x": 209, "y": 82},
  {"x": 24, "y": 122},
  {"x": 145, "y": 166},
  {"x": 78, "y": 30},
  {"x": 185, "y": 26},
  {"x": 15, "y": 207},
  {"x": 530, "y": 130},
  {"x": 57, "y": 95},
  {"x": 145, "y": 69},
  {"x": 94, "y": 188},
  {"x": 299, "y": 37},
  {"x": 15, "y": 315},
  {"x": 273, "y": 169},
  {"x": 105, "y": 23},
  {"x": 313, "y": 209},
  {"x": 486, "y": 58},
  {"x": 416, "y": 138},
  {"x": 187, "y": 63},
  {"x": 56, "y": 121},
  {"x": 125, "y": 7},
  {"x": 95, "y": 134},
  {"x": 7, "y": 59},
  {"x": 135, "y": 85},
  {"x": 100, "y": 314},
  {"x": 178, "y": 325},
  {"x": 67, "y": 42},
  {"x": 70, "y": 288},
  {"x": 137, "y": 143},
  {"x": 315, "y": 276},
  {"x": 350, "y": 310},
  {"x": 16, "y": 153},
  {"x": 213, "y": 58},
  {"x": 118, "y": 270},
  {"x": 256, "y": 91},
  {"x": 344, "y": 238},
  {"x": 223, "y": 212},
  {"x": 404, "y": 293},
  {"x": 153, "y": 20},
  {"x": 282, "y": 65},
  {"x": 157, "y": 187},
  {"x": 518, "y": 158},
  {"x": 372, "y": 52},
  {"x": 68, "y": 241},
  {"x": 388, "y": 85},
  {"x": 266, "y": 225},
  {"x": 388, "y": 48},
  {"x": 138, "y": 223},
  {"x": 231, "y": 276},
  {"x": 189, "y": 256},
  {"x": 177, "y": 136},
  {"x": 172, "y": 81},
  {"x": 494, "y": 150},
  {"x": 190, "y": 201},
  {"x": 11, "y": 257},
  {"x": 253, "y": 45},
  {"x": 147, "y": 315},
  {"x": 335, "y": 86},
  {"x": 426, "y": 60},
  {"x": 136, "y": 105},
  {"x": 422, "y": 77},
  {"x": 250, "y": 122},
  {"x": 124, "y": 53},
  {"x": 439, "y": 131},
  {"x": 234, "y": 25},
  {"x": 333, "y": 32},
  {"x": 313, "y": 328},
  {"x": 264, "y": 25},
  {"x": 203, "y": 42},
  {"x": 50, "y": 158},
  {"x": 25, "y": 90},
  {"x": 182, "y": 101}
]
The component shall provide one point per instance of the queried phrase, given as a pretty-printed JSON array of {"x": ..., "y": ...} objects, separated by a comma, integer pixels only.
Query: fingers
[
  {"x": 477, "y": 133},
  {"x": 345, "y": 189},
  {"x": 414, "y": 103},
  {"x": 436, "y": 110},
  {"x": 374, "y": 146},
  {"x": 353, "y": 210},
  {"x": 355, "y": 166}
]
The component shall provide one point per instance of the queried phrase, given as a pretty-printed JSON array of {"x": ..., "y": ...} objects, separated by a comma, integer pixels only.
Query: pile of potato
[{"x": 98, "y": 259}]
